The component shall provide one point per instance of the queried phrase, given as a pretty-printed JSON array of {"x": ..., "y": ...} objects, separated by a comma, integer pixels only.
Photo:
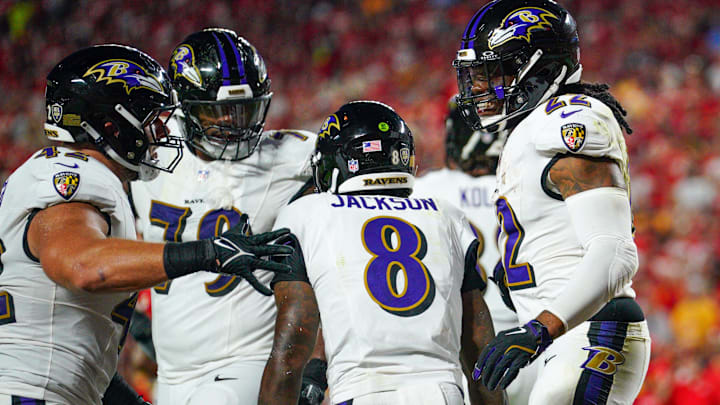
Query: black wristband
[
  {"x": 188, "y": 257},
  {"x": 315, "y": 372}
]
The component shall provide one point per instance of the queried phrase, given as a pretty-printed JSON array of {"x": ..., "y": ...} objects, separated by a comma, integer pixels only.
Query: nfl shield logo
[
  {"x": 573, "y": 136},
  {"x": 66, "y": 184},
  {"x": 56, "y": 112},
  {"x": 353, "y": 165}
]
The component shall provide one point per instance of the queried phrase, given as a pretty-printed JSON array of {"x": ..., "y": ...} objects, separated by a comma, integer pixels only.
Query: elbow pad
[{"x": 603, "y": 224}]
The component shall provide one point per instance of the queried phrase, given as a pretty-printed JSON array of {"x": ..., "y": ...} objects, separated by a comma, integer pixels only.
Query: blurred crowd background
[{"x": 661, "y": 57}]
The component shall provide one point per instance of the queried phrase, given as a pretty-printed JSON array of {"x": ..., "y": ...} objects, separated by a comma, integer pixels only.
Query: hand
[
  {"x": 238, "y": 253},
  {"x": 314, "y": 383},
  {"x": 510, "y": 351}
]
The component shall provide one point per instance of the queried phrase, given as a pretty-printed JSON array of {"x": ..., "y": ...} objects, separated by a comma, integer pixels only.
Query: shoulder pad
[
  {"x": 576, "y": 124},
  {"x": 298, "y": 134},
  {"x": 73, "y": 176},
  {"x": 291, "y": 147}
]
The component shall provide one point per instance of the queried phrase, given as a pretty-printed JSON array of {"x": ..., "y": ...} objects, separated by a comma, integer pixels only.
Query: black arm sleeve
[
  {"x": 120, "y": 393},
  {"x": 295, "y": 261},
  {"x": 473, "y": 279}
]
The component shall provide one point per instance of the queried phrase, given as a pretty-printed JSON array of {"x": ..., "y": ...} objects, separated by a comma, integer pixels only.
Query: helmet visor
[
  {"x": 226, "y": 129},
  {"x": 226, "y": 121}
]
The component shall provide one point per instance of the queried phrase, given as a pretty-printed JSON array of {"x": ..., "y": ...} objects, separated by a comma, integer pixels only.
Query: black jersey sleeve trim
[
  {"x": 544, "y": 178},
  {"x": 26, "y": 245},
  {"x": 472, "y": 279}
]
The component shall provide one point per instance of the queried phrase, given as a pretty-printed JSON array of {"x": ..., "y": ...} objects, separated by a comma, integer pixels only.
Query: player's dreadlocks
[{"x": 600, "y": 92}]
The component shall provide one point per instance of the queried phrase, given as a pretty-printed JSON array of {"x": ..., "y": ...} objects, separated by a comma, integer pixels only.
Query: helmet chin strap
[
  {"x": 575, "y": 76},
  {"x": 333, "y": 182},
  {"x": 555, "y": 86}
]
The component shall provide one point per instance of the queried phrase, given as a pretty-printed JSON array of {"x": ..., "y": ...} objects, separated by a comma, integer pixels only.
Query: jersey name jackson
[{"x": 384, "y": 203}]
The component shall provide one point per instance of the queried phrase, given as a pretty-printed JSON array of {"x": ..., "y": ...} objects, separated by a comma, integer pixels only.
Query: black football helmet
[
  {"x": 365, "y": 146},
  {"x": 471, "y": 150},
  {"x": 224, "y": 90},
  {"x": 122, "y": 86},
  {"x": 514, "y": 55}
]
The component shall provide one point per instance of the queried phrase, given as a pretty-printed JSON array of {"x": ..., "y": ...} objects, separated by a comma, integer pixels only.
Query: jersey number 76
[{"x": 173, "y": 218}]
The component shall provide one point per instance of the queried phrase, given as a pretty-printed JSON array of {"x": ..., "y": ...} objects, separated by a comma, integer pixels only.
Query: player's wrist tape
[{"x": 188, "y": 257}]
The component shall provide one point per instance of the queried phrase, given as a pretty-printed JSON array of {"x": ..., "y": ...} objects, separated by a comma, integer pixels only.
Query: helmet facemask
[
  {"x": 496, "y": 86},
  {"x": 150, "y": 141}
]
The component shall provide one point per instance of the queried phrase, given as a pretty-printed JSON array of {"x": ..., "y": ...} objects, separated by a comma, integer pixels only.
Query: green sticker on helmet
[{"x": 384, "y": 126}]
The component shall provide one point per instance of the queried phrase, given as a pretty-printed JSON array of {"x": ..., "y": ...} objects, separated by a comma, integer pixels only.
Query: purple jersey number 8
[{"x": 387, "y": 262}]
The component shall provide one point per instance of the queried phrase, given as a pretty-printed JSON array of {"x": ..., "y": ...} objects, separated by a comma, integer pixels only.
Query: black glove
[
  {"x": 498, "y": 278},
  {"x": 314, "y": 383},
  {"x": 510, "y": 351},
  {"x": 234, "y": 252}
]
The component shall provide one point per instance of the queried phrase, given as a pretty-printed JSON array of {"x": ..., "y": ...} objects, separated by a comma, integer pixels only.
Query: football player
[
  {"x": 468, "y": 182},
  {"x": 392, "y": 277},
  {"x": 68, "y": 263},
  {"x": 213, "y": 334},
  {"x": 562, "y": 204}
]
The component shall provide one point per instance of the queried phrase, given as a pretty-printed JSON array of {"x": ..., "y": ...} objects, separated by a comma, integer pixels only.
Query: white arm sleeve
[{"x": 603, "y": 224}]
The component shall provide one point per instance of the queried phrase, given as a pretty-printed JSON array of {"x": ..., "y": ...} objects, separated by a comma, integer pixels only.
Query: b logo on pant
[{"x": 603, "y": 360}]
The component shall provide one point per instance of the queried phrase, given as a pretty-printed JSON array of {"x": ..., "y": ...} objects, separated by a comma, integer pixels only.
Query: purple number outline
[
  {"x": 378, "y": 280},
  {"x": 211, "y": 224},
  {"x": 518, "y": 276},
  {"x": 173, "y": 218}
]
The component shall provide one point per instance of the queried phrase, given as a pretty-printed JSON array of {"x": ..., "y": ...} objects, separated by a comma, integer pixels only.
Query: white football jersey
[
  {"x": 473, "y": 195},
  {"x": 387, "y": 273},
  {"x": 539, "y": 248},
  {"x": 56, "y": 344},
  {"x": 204, "y": 321}
]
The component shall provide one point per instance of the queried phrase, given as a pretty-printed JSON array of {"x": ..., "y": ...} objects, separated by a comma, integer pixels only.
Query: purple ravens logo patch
[
  {"x": 66, "y": 184},
  {"x": 331, "y": 122},
  {"x": 520, "y": 24},
  {"x": 182, "y": 64},
  {"x": 573, "y": 136},
  {"x": 126, "y": 72}
]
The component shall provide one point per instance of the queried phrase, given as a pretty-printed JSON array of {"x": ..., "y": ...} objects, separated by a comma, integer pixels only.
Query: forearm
[
  {"x": 296, "y": 328},
  {"x": 108, "y": 265},
  {"x": 281, "y": 382},
  {"x": 477, "y": 333}
]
